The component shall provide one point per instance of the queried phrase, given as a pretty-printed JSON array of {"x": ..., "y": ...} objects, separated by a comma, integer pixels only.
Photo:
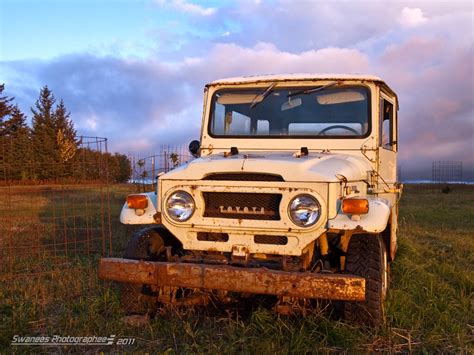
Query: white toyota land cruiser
[{"x": 293, "y": 193}]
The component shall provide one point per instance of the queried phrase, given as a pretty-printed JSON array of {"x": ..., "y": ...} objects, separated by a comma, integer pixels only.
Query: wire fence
[
  {"x": 48, "y": 224},
  {"x": 146, "y": 169},
  {"x": 72, "y": 216},
  {"x": 447, "y": 171}
]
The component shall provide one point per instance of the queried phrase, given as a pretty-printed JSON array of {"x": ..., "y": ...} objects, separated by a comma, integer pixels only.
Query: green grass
[{"x": 429, "y": 308}]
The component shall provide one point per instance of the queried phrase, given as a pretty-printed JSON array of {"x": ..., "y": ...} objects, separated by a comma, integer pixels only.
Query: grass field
[{"x": 429, "y": 308}]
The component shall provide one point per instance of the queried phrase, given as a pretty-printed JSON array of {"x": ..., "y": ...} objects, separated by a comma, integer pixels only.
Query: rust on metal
[
  {"x": 236, "y": 279},
  {"x": 344, "y": 245},
  {"x": 157, "y": 217}
]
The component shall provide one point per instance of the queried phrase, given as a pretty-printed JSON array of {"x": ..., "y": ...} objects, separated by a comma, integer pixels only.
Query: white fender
[
  {"x": 130, "y": 216},
  {"x": 375, "y": 221}
]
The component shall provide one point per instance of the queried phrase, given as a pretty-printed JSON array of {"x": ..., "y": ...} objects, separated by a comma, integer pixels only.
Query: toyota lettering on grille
[
  {"x": 242, "y": 205},
  {"x": 240, "y": 210}
]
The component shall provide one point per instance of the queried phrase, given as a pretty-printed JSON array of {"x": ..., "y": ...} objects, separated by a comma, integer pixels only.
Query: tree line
[{"x": 50, "y": 150}]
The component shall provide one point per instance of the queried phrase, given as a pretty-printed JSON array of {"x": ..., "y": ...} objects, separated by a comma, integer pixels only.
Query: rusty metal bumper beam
[{"x": 232, "y": 278}]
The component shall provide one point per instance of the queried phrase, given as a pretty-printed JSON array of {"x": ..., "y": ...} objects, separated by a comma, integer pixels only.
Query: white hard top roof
[
  {"x": 284, "y": 77},
  {"x": 299, "y": 77}
]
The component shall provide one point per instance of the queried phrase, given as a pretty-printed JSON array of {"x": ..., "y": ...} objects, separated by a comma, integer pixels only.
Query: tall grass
[{"x": 429, "y": 307}]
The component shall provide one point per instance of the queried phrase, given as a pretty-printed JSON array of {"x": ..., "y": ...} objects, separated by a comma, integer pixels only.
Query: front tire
[
  {"x": 367, "y": 257},
  {"x": 147, "y": 245}
]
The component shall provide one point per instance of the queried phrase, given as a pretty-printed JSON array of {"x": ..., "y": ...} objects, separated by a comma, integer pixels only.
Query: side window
[
  {"x": 218, "y": 121},
  {"x": 263, "y": 127},
  {"x": 387, "y": 136},
  {"x": 236, "y": 123},
  {"x": 230, "y": 122}
]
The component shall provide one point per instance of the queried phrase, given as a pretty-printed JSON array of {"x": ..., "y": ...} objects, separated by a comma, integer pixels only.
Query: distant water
[
  {"x": 142, "y": 181},
  {"x": 437, "y": 182}
]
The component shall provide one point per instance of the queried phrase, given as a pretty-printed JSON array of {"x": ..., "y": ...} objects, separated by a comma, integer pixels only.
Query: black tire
[
  {"x": 367, "y": 257},
  {"x": 148, "y": 245}
]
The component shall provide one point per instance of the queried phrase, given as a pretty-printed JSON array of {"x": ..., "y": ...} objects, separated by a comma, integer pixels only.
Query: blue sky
[
  {"x": 133, "y": 71},
  {"x": 126, "y": 28},
  {"x": 46, "y": 29}
]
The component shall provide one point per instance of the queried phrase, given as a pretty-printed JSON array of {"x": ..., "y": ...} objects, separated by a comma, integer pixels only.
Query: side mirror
[{"x": 194, "y": 148}]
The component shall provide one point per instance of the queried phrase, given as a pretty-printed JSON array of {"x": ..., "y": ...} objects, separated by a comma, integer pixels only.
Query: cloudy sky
[{"x": 134, "y": 70}]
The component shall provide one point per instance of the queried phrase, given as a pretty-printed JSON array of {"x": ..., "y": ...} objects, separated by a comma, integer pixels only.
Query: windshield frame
[{"x": 299, "y": 136}]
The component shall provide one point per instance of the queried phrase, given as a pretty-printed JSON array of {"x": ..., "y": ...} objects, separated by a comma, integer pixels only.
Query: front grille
[
  {"x": 243, "y": 177},
  {"x": 270, "y": 239},
  {"x": 238, "y": 205},
  {"x": 212, "y": 237}
]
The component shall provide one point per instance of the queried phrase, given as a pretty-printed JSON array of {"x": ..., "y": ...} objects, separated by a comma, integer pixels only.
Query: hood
[{"x": 317, "y": 167}]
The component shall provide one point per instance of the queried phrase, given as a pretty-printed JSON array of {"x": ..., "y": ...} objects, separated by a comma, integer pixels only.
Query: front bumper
[{"x": 236, "y": 279}]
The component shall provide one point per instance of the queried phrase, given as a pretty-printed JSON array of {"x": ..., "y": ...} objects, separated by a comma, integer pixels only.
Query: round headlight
[
  {"x": 305, "y": 210},
  {"x": 180, "y": 206}
]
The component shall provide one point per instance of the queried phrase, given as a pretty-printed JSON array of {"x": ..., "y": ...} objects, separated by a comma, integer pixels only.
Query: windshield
[{"x": 291, "y": 112}]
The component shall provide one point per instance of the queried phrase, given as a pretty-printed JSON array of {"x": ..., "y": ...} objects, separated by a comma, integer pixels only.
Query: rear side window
[{"x": 387, "y": 125}]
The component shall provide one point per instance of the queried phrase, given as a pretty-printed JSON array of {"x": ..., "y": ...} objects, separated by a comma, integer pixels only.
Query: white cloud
[
  {"x": 264, "y": 58},
  {"x": 91, "y": 123},
  {"x": 423, "y": 51},
  {"x": 411, "y": 17},
  {"x": 185, "y": 6}
]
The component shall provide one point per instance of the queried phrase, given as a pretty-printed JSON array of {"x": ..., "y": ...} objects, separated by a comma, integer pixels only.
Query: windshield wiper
[
  {"x": 260, "y": 97},
  {"x": 310, "y": 91}
]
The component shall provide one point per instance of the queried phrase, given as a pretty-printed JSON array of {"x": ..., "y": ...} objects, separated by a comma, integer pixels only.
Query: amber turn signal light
[
  {"x": 355, "y": 206},
  {"x": 137, "y": 201}
]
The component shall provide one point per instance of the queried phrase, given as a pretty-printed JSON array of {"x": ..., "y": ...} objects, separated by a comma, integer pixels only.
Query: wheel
[
  {"x": 146, "y": 244},
  {"x": 367, "y": 257},
  {"x": 338, "y": 126}
]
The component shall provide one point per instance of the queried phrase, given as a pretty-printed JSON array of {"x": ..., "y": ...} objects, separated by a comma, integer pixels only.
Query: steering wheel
[{"x": 338, "y": 126}]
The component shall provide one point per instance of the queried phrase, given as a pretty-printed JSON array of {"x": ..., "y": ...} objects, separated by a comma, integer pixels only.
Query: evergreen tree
[
  {"x": 119, "y": 167},
  {"x": 125, "y": 168},
  {"x": 112, "y": 167},
  {"x": 5, "y": 106},
  {"x": 5, "y": 111},
  {"x": 50, "y": 150},
  {"x": 66, "y": 143},
  {"x": 43, "y": 136},
  {"x": 62, "y": 121},
  {"x": 18, "y": 147}
]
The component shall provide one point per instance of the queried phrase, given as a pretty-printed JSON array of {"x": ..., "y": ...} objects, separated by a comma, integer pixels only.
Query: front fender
[
  {"x": 130, "y": 216},
  {"x": 375, "y": 221}
]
